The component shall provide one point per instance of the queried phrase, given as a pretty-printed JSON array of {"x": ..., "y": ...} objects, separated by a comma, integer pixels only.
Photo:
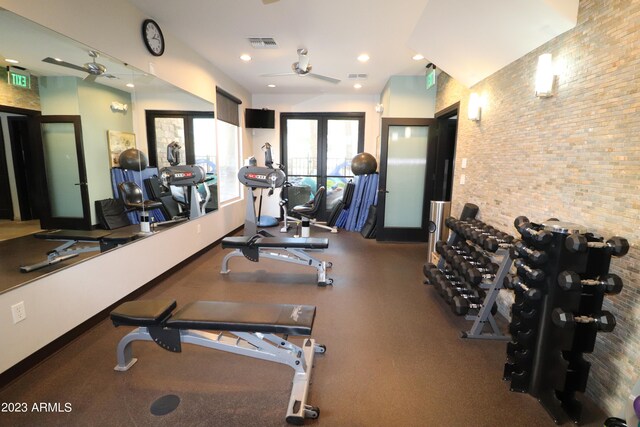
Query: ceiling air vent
[
  {"x": 263, "y": 42},
  {"x": 357, "y": 76}
]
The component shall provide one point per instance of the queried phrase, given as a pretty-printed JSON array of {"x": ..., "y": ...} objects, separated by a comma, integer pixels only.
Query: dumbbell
[
  {"x": 493, "y": 243},
  {"x": 523, "y": 268},
  {"x": 461, "y": 305},
  {"x": 519, "y": 248},
  {"x": 523, "y": 225},
  {"x": 516, "y": 283},
  {"x": 605, "y": 321},
  {"x": 570, "y": 281},
  {"x": 445, "y": 281},
  {"x": 425, "y": 269},
  {"x": 526, "y": 338},
  {"x": 476, "y": 275},
  {"x": 617, "y": 246},
  {"x": 454, "y": 291},
  {"x": 462, "y": 264}
]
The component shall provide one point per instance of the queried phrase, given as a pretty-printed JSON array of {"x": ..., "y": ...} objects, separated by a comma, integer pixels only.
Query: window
[
  {"x": 193, "y": 131},
  {"x": 228, "y": 145},
  {"x": 317, "y": 149}
]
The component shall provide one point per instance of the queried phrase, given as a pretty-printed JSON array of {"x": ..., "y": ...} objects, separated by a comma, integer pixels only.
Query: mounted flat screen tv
[{"x": 259, "y": 119}]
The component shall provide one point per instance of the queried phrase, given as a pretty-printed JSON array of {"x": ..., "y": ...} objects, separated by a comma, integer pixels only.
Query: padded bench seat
[
  {"x": 142, "y": 313},
  {"x": 275, "y": 242},
  {"x": 218, "y": 316},
  {"x": 245, "y": 317}
]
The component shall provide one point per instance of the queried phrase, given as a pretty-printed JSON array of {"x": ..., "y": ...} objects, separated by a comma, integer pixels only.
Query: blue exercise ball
[
  {"x": 363, "y": 164},
  {"x": 133, "y": 159}
]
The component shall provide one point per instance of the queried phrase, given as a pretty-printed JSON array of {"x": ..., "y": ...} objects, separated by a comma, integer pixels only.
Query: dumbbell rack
[
  {"x": 492, "y": 288},
  {"x": 545, "y": 359}
]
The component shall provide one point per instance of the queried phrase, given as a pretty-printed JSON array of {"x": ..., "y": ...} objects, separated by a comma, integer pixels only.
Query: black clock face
[{"x": 153, "y": 38}]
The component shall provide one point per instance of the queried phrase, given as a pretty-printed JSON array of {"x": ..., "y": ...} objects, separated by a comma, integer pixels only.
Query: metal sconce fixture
[
  {"x": 544, "y": 76},
  {"x": 119, "y": 107},
  {"x": 475, "y": 107}
]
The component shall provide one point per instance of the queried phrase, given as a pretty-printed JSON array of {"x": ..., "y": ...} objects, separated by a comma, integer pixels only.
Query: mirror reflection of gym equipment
[{"x": 260, "y": 243}]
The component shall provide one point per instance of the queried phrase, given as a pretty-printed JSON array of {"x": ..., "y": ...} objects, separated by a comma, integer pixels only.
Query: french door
[
  {"x": 407, "y": 161},
  {"x": 317, "y": 149}
]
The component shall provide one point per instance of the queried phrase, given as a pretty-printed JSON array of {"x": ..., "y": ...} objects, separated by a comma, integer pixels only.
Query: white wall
[
  {"x": 407, "y": 97},
  {"x": 61, "y": 301},
  {"x": 311, "y": 104}
]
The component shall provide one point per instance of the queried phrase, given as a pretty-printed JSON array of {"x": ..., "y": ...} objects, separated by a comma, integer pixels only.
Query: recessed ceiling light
[
  {"x": 130, "y": 85},
  {"x": 418, "y": 57},
  {"x": 357, "y": 86},
  {"x": 12, "y": 61},
  {"x": 271, "y": 85},
  {"x": 363, "y": 58},
  {"x": 245, "y": 57}
]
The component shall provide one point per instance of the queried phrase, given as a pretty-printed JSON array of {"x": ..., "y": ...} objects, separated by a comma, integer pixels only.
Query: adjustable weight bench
[
  {"x": 247, "y": 329},
  {"x": 291, "y": 250},
  {"x": 93, "y": 240}
]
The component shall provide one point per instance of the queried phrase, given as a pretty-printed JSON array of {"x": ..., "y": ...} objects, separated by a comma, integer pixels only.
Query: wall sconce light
[
  {"x": 544, "y": 76},
  {"x": 475, "y": 106},
  {"x": 119, "y": 107}
]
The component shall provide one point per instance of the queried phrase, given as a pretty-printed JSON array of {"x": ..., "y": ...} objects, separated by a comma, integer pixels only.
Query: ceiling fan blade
[
  {"x": 325, "y": 78},
  {"x": 64, "y": 64},
  {"x": 278, "y": 74},
  {"x": 91, "y": 78},
  {"x": 269, "y": 1}
]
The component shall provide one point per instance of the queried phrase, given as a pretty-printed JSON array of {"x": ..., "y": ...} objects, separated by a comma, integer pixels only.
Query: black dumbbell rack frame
[
  {"x": 484, "y": 316},
  {"x": 558, "y": 370}
]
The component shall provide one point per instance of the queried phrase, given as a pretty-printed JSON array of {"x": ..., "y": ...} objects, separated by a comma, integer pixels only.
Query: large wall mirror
[{"x": 66, "y": 112}]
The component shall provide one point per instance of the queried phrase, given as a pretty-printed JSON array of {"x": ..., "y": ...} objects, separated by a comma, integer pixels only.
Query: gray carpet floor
[{"x": 394, "y": 356}]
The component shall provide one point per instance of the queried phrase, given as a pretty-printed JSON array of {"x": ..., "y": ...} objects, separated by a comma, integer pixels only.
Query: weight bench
[
  {"x": 102, "y": 239},
  {"x": 247, "y": 329},
  {"x": 254, "y": 247}
]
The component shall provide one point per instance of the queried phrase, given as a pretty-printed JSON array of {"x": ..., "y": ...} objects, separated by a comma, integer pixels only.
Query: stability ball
[
  {"x": 133, "y": 159},
  {"x": 363, "y": 164}
]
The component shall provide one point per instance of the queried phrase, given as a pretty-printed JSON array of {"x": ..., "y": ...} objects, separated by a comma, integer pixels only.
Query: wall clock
[{"x": 152, "y": 36}]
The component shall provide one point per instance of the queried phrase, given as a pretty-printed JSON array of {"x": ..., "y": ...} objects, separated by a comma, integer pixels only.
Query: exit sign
[
  {"x": 18, "y": 78},
  {"x": 431, "y": 78}
]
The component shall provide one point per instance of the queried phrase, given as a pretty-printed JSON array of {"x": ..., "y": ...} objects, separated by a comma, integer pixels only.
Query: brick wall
[
  {"x": 19, "y": 97},
  {"x": 574, "y": 156}
]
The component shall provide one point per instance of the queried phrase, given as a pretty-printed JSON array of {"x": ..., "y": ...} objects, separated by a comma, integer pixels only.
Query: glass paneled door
[
  {"x": 64, "y": 181},
  {"x": 406, "y": 173},
  {"x": 317, "y": 149}
]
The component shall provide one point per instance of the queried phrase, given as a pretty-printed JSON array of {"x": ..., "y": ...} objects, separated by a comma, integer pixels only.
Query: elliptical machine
[
  {"x": 188, "y": 176},
  {"x": 262, "y": 177}
]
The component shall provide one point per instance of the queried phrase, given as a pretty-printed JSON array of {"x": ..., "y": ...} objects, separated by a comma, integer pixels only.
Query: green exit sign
[
  {"x": 431, "y": 78},
  {"x": 19, "y": 78}
]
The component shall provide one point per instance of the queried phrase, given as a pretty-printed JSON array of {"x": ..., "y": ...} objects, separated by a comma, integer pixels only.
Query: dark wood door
[
  {"x": 6, "y": 204},
  {"x": 407, "y": 161},
  {"x": 64, "y": 181},
  {"x": 24, "y": 169}
]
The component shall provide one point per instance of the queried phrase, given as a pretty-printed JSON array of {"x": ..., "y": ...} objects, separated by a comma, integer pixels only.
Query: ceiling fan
[
  {"x": 94, "y": 69},
  {"x": 303, "y": 68}
]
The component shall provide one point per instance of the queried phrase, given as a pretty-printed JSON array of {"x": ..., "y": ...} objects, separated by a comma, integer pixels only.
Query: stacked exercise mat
[
  {"x": 561, "y": 281},
  {"x": 365, "y": 194},
  {"x": 470, "y": 273}
]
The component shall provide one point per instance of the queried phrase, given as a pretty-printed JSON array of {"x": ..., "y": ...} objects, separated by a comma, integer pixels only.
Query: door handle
[
  {"x": 80, "y": 183},
  {"x": 382, "y": 190}
]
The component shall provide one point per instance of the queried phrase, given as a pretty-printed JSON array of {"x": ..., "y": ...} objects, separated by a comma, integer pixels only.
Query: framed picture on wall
[{"x": 118, "y": 142}]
